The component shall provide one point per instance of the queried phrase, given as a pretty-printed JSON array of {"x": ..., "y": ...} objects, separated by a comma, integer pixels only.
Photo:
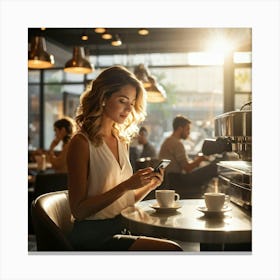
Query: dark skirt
[{"x": 98, "y": 235}]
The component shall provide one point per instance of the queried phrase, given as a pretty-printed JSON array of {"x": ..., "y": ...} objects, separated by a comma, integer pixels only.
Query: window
[
  {"x": 197, "y": 93},
  {"x": 194, "y": 83},
  {"x": 242, "y": 86},
  {"x": 33, "y": 117},
  {"x": 46, "y": 102}
]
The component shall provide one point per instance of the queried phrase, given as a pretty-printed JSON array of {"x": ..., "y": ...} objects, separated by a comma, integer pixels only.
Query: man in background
[
  {"x": 172, "y": 148},
  {"x": 183, "y": 172}
]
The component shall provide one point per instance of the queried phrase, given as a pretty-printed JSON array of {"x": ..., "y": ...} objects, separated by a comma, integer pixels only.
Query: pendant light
[
  {"x": 78, "y": 64},
  {"x": 106, "y": 36},
  {"x": 38, "y": 57},
  {"x": 142, "y": 74},
  {"x": 155, "y": 92},
  {"x": 143, "y": 31},
  {"x": 99, "y": 30},
  {"x": 116, "y": 41}
]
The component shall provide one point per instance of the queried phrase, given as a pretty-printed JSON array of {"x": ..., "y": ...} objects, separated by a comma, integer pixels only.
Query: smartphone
[{"x": 163, "y": 164}]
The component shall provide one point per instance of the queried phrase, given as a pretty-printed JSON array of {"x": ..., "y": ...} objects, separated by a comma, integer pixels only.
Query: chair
[
  {"x": 49, "y": 182},
  {"x": 51, "y": 218}
]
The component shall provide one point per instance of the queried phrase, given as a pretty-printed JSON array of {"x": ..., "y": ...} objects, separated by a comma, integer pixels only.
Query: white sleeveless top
[{"x": 105, "y": 173}]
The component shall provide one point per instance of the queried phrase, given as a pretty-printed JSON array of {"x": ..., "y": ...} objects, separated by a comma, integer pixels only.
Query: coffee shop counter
[{"x": 190, "y": 223}]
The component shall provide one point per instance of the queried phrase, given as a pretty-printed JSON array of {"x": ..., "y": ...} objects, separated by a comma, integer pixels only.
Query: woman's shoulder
[
  {"x": 78, "y": 146},
  {"x": 79, "y": 139}
]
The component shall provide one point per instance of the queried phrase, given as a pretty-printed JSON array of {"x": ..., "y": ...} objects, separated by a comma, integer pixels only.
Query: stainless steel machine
[{"x": 234, "y": 136}]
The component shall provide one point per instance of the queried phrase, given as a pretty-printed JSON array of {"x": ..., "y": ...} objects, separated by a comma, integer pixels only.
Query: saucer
[
  {"x": 206, "y": 211},
  {"x": 166, "y": 209}
]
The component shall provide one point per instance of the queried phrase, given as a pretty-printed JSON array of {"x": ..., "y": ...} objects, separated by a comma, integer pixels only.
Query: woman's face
[{"x": 120, "y": 104}]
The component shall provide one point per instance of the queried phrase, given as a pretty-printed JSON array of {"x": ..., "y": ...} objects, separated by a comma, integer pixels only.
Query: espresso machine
[{"x": 233, "y": 132}]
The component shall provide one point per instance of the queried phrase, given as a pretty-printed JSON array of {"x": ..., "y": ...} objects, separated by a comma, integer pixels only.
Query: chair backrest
[
  {"x": 49, "y": 182},
  {"x": 51, "y": 216}
]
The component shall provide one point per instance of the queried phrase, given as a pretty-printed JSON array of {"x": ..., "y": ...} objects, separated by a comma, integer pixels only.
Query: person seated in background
[
  {"x": 172, "y": 148},
  {"x": 148, "y": 149},
  {"x": 64, "y": 129}
]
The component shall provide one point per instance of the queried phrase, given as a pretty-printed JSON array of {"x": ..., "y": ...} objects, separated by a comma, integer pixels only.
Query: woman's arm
[
  {"x": 58, "y": 162},
  {"x": 78, "y": 164}
]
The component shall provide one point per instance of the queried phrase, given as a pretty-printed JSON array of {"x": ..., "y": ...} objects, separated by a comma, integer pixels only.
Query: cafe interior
[{"x": 201, "y": 73}]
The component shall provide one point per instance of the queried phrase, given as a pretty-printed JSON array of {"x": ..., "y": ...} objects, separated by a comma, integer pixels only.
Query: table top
[
  {"x": 33, "y": 171},
  {"x": 188, "y": 223},
  {"x": 34, "y": 165}
]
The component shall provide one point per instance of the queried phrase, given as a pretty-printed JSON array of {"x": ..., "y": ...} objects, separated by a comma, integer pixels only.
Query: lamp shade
[
  {"x": 155, "y": 92},
  {"x": 38, "y": 57},
  {"x": 142, "y": 74},
  {"x": 78, "y": 64},
  {"x": 116, "y": 41}
]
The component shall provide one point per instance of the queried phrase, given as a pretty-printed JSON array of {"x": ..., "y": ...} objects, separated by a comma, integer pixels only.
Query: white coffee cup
[
  {"x": 215, "y": 201},
  {"x": 166, "y": 198}
]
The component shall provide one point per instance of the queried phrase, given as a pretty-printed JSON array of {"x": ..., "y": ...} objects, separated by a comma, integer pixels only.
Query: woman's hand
[
  {"x": 144, "y": 177},
  {"x": 154, "y": 181},
  {"x": 139, "y": 179},
  {"x": 54, "y": 143},
  {"x": 157, "y": 179}
]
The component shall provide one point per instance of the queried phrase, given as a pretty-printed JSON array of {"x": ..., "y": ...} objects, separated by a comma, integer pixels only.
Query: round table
[{"x": 189, "y": 224}]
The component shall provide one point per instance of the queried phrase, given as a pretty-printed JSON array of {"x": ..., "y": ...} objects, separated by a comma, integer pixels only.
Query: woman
[
  {"x": 101, "y": 182},
  {"x": 64, "y": 129}
]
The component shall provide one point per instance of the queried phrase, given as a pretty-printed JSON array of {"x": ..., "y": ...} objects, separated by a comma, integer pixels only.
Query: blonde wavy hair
[{"x": 90, "y": 111}]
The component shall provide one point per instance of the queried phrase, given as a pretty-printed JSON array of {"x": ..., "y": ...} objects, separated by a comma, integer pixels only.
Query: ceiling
[{"x": 159, "y": 40}]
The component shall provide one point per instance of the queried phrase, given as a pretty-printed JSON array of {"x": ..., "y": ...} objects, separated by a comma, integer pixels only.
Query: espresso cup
[
  {"x": 214, "y": 201},
  {"x": 166, "y": 198}
]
